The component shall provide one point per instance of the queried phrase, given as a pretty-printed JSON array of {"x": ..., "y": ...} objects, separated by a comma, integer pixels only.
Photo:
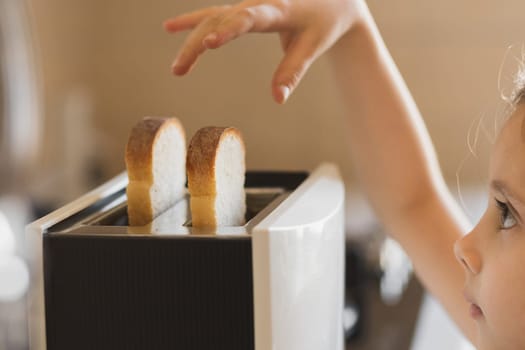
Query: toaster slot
[
  {"x": 256, "y": 200},
  {"x": 104, "y": 210},
  {"x": 112, "y": 219}
]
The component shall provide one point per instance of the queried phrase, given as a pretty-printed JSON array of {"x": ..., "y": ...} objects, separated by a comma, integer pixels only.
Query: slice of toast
[
  {"x": 156, "y": 165},
  {"x": 216, "y": 165}
]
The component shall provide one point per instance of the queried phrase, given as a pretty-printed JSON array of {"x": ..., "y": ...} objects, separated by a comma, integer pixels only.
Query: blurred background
[{"x": 75, "y": 75}]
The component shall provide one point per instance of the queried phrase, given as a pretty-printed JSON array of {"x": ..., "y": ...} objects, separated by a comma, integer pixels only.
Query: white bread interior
[
  {"x": 216, "y": 170},
  {"x": 156, "y": 164}
]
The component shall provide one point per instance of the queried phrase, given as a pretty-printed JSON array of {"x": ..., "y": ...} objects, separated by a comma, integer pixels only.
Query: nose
[{"x": 468, "y": 254}]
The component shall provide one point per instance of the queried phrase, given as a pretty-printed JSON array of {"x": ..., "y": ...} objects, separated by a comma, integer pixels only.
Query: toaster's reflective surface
[{"x": 110, "y": 217}]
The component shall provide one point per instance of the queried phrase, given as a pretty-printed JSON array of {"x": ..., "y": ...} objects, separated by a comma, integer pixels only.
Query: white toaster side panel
[{"x": 298, "y": 265}]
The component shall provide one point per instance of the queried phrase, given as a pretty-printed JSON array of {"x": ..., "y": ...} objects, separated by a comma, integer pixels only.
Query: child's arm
[
  {"x": 391, "y": 149},
  {"x": 395, "y": 161}
]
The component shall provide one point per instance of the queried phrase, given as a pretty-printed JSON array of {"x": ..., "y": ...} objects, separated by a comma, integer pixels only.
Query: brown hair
[{"x": 519, "y": 92}]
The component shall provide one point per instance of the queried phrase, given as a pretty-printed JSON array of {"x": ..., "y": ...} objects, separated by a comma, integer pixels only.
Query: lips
[{"x": 474, "y": 310}]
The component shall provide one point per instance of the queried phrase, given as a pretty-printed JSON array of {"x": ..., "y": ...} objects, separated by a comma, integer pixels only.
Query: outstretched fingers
[
  {"x": 299, "y": 56},
  {"x": 191, "y": 20},
  {"x": 259, "y": 18},
  {"x": 194, "y": 45},
  {"x": 215, "y": 27},
  {"x": 188, "y": 54}
]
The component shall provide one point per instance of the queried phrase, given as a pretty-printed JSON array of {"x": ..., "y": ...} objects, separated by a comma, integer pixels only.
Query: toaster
[{"x": 275, "y": 283}]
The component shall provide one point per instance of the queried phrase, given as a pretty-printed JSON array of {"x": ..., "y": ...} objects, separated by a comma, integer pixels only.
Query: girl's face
[{"x": 493, "y": 254}]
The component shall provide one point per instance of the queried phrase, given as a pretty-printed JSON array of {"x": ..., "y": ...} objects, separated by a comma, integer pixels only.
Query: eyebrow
[{"x": 502, "y": 187}]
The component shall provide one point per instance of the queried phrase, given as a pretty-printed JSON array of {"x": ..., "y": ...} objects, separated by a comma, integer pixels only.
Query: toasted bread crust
[
  {"x": 205, "y": 207},
  {"x": 140, "y": 210},
  {"x": 139, "y": 164},
  {"x": 139, "y": 149},
  {"x": 200, "y": 160}
]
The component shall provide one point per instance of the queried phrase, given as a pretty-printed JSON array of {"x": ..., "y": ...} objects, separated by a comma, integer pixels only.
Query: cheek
[{"x": 502, "y": 295}]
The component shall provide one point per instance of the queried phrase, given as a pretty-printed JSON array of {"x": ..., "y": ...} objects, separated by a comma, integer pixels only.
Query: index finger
[
  {"x": 192, "y": 19},
  {"x": 225, "y": 25},
  {"x": 259, "y": 18}
]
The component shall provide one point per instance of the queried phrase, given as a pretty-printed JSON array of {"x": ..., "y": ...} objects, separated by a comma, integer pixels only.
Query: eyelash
[{"x": 505, "y": 214}]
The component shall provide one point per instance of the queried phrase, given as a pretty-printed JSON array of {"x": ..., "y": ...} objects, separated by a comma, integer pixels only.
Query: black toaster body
[{"x": 108, "y": 289}]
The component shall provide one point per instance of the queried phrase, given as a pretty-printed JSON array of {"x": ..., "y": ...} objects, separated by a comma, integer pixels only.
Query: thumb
[{"x": 299, "y": 56}]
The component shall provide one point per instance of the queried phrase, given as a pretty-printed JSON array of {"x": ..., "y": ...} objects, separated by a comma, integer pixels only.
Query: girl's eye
[{"x": 507, "y": 219}]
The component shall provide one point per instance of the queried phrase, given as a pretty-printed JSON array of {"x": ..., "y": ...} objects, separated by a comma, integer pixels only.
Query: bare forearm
[
  {"x": 396, "y": 163},
  {"x": 390, "y": 146}
]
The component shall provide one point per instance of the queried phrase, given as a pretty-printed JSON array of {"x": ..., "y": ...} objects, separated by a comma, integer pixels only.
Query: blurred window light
[
  {"x": 14, "y": 275},
  {"x": 20, "y": 105},
  {"x": 7, "y": 238},
  {"x": 14, "y": 278}
]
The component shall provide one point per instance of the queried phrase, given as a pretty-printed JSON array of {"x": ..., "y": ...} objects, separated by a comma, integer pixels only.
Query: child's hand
[{"x": 307, "y": 29}]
